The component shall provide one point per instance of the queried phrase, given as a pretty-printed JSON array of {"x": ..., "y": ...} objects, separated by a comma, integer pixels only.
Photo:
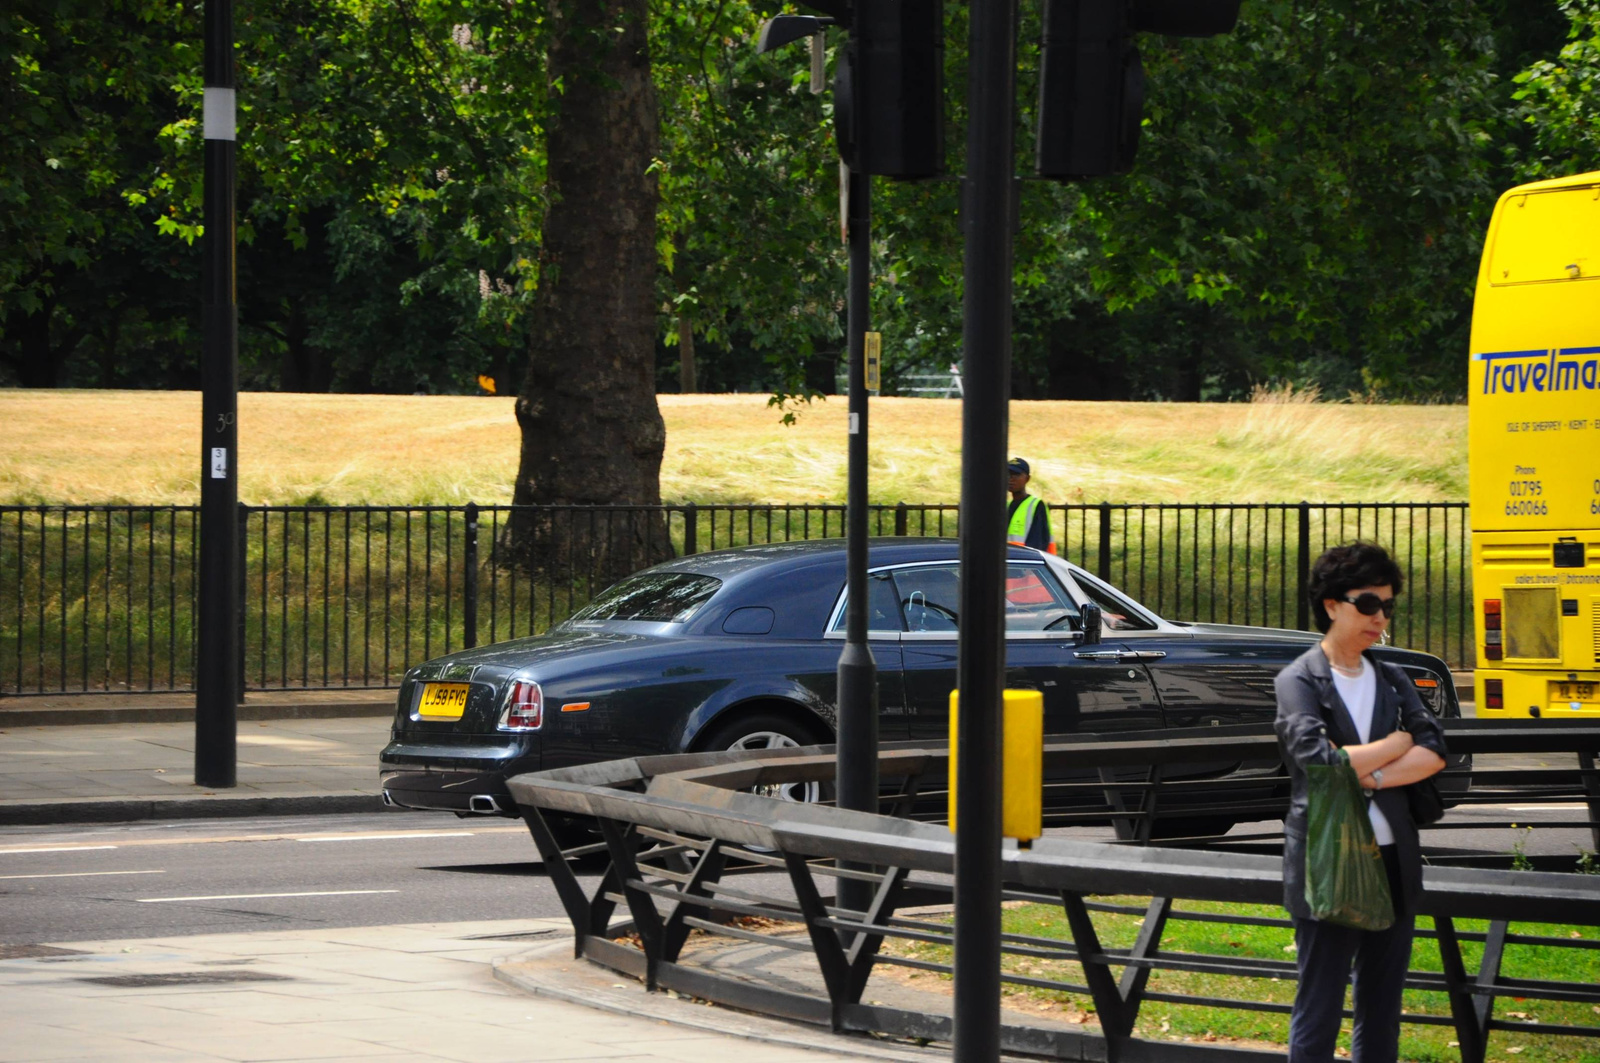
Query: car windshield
[{"x": 662, "y": 597}]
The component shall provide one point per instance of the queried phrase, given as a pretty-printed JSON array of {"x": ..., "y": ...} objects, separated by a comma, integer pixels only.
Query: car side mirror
[{"x": 1089, "y": 613}]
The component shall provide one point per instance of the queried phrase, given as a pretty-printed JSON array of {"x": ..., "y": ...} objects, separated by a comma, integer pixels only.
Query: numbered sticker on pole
[{"x": 873, "y": 360}]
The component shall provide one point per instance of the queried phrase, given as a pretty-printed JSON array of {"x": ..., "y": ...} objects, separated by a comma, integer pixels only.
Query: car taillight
[
  {"x": 1492, "y": 649},
  {"x": 524, "y": 709},
  {"x": 1494, "y": 694}
]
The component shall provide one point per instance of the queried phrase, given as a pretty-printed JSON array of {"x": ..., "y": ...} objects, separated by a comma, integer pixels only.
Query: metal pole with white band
[{"x": 216, "y": 681}]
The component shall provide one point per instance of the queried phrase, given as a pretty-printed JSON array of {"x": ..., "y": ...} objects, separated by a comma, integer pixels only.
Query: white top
[{"x": 1359, "y": 694}]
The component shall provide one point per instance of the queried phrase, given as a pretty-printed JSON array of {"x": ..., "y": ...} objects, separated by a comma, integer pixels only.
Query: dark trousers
[{"x": 1326, "y": 954}]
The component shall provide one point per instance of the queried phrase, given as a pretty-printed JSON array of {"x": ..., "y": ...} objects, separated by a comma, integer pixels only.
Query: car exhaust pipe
[
  {"x": 389, "y": 801},
  {"x": 486, "y": 804}
]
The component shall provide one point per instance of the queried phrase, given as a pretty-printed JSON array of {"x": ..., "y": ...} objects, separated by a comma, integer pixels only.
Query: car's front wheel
[{"x": 766, "y": 730}]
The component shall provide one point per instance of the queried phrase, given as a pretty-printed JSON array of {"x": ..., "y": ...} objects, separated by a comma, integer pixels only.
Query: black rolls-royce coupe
[{"x": 737, "y": 649}]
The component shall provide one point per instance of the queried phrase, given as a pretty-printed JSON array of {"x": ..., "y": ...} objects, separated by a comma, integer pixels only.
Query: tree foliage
[
  {"x": 1307, "y": 204},
  {"x": 1560, "y": 99}
]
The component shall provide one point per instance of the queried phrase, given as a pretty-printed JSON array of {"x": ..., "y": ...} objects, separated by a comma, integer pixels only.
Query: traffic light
[
  {"x": 1091, "y": 80},
  {"x": 888, "y": 89}
]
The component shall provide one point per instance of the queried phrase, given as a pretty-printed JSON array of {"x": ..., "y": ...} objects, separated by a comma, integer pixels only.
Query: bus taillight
[
  {"x": 1491, "y": 629},
  {"x": 1494, "y": 694}
]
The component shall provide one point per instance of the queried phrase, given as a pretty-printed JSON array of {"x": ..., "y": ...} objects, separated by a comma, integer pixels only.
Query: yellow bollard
[{"x": 1022, "y": 752}]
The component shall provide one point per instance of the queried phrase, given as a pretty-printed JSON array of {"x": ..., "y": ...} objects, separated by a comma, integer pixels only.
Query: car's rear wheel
[{"x": 766, "y": 730}]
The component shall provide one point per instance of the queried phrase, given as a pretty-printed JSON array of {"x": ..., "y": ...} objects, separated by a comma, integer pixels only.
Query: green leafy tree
[
  {"x": 80, "y": 97},
  {"x": 751, "y": 262},
  {"x": 1560, "y": 100},
  {"x": 388, "y": 191},
  {"x": 1307, "y": 203}
]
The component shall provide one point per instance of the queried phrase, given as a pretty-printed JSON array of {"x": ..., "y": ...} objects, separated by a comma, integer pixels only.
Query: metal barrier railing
[
  {"x": 103, "y": 598},
  {"x": 673, "y": 827}
]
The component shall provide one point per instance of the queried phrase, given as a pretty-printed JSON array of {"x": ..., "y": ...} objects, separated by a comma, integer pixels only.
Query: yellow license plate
[
  {"x": 1573, "y": 695},
  {"x": 443, "y": 701}
]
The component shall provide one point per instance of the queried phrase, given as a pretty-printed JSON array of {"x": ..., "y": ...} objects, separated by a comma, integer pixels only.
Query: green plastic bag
[{"x": 1345, "y": 880}]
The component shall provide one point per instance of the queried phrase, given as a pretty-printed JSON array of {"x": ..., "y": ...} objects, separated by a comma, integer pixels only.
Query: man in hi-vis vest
[{"x": 1029, "y": 516}]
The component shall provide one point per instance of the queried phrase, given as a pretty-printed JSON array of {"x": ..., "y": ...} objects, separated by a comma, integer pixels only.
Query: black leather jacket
[{"x": 1312, "y": 724}]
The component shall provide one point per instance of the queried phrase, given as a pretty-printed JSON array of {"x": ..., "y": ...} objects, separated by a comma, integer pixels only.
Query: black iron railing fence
[{"x": 103, "y": 598}]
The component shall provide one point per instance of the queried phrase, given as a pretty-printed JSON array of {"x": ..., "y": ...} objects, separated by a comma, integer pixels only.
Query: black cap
[{"x": 1016, "y": 465}]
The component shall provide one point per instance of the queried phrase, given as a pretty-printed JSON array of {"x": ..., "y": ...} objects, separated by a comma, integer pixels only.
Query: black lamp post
[
  {"x": 856, "y": 774},
  {"x": 216, "y": 676}
]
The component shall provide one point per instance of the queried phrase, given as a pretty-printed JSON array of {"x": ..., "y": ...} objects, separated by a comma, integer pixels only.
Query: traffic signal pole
[
  {"x": 986, "y": 378},
  {"x": 216, "y": 678},
  {"x": 857, "y": 757}
]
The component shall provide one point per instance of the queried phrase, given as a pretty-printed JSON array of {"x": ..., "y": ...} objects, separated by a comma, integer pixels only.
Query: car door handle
[{"x": 1120, "y": 655}]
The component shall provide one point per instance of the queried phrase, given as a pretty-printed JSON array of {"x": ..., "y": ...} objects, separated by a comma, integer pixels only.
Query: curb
[
  {"x": 58, "y": 716},
  {"x": 539, "y": 973},
  {"x": 207, "y": 806}
]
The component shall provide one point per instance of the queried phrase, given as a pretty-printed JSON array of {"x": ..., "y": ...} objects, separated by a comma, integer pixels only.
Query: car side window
[
  {"x": 1035, "y": 602},
  {"x": 883, "y": 612},
  {"x": 928, "y": 597}
]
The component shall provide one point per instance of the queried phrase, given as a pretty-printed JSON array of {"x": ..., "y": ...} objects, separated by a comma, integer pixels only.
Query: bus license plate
[
  {"x": 443, "y": 701},
  {"x": 1570, "y": 695}
]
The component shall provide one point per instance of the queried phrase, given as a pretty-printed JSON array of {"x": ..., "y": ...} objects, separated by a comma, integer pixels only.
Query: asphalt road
[{"x": 86, "y": 883}]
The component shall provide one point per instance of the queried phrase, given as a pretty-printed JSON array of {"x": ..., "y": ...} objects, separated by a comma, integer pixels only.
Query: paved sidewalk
[
  {"x": 55, "y": 710},
  {"x": 549, "y": 971},
  {"x": 125, "y": 771},
  {"x": 388, "y": 993}
]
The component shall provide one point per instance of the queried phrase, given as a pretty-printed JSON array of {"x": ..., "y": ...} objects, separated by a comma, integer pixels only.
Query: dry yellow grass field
[{"x": 79, "y": 447}]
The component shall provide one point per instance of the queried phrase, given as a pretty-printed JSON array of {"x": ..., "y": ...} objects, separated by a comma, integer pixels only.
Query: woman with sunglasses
[{"x": 1337, "y": 695}]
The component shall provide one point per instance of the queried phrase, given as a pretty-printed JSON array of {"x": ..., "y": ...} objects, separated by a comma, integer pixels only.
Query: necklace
[{"x": 1348, "y": 673}]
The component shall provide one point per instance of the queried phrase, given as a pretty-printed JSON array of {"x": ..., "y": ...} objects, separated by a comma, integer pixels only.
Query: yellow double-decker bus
[{"x": 1534, "y": 435}]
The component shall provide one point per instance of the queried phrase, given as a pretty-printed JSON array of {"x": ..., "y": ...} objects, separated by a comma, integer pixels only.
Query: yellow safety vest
[{"x": 1022, "y": 519}]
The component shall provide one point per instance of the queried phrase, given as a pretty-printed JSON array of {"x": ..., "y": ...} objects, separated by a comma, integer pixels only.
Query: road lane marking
[
  {"x": 385, "y": 837},
  {"x": 213, "y": 839},
  {"x": 84, "y": 874},
  {"x": 1576, "y": 806},
  {"x": 259, "y": 896},
  {"x": 57, "y": 849}
]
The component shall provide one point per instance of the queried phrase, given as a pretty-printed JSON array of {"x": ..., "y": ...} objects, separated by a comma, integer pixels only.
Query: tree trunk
[
  {"x": 686, "y": 380},
  {"x": 108, "y": 348},
  {"x": 591, "y": 431},
  {"x": 303, "y": 367},
  {"x": 33, "y": 358}
]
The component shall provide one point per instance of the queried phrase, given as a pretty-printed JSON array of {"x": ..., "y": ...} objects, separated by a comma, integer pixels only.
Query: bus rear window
[
  {"x": 661, "y": 597},
  {"x": 1546, "y": 236}
]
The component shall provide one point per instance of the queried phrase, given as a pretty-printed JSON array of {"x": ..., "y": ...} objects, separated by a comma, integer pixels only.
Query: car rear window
[{"x": 663, "y": 597}]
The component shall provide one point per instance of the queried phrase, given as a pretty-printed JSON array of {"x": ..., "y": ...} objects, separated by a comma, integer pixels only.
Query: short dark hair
[{"x": 1343, "y": 568}]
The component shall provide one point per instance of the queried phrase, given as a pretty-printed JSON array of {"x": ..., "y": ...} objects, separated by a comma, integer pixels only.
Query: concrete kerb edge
[
  {"x": 130, "y": 809},
  {"x": 682, "y": 1012}
]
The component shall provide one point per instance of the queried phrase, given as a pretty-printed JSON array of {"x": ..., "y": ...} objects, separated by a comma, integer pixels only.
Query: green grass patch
[{"x": 1161, "y": 1020}]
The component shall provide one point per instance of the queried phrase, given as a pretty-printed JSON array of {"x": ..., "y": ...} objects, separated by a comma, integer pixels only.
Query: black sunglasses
[{"x": 1368, "y": 604}]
